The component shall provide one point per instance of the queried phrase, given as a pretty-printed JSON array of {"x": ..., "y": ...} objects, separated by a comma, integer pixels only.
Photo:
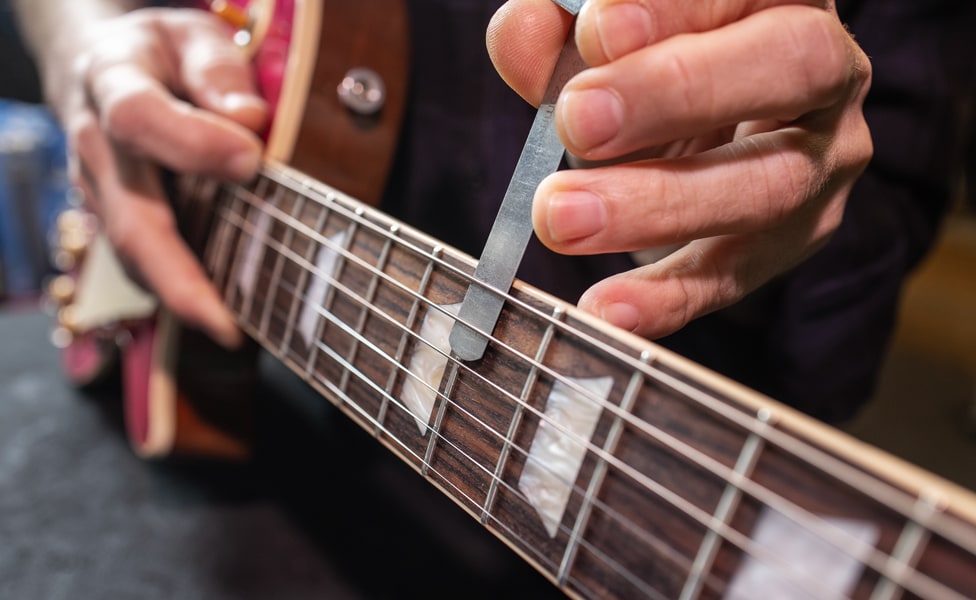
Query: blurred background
[{"x": 33, "y": 180}]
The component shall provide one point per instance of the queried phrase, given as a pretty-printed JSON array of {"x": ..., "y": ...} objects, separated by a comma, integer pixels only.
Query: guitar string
[
  {"x": 449, "y": 400},
  {"x": 899, "y": 501},
  {"x": 902, "y": 503},
  {"x": 747, "y": 545},
  {"x": 352, "y": 369},
  {"x": 409, "y": 415}
]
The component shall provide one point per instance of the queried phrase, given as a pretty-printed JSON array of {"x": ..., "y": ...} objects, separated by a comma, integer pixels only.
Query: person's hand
[
  {"x": 160, "y": 87},
  {"x": 737, "y": 131}
]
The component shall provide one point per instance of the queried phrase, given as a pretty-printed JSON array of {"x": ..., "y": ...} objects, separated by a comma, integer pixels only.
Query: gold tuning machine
[
  {"x": 61, "y": 290},
  {"x": 75, "y": 229}
]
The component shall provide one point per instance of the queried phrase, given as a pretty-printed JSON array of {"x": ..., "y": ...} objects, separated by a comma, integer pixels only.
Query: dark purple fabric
[{"x": 815, "y": 337}]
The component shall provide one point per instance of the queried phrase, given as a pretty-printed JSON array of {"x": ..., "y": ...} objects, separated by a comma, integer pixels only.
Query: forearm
[{"x": 55, "y": 32}]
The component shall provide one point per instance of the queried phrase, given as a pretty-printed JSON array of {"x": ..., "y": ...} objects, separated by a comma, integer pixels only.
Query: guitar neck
[{"x": 614, "y": 467}]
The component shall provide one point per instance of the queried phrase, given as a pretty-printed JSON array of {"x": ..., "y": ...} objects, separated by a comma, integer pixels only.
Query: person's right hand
[{"x": 160, "y": 88}]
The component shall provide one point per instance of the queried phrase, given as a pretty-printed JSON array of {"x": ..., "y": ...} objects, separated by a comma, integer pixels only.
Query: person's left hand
[{"x": 735, "y": 129}]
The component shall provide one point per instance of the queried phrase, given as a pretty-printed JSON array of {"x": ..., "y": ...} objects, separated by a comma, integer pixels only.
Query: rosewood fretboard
[{"x": 689, "y": 485}]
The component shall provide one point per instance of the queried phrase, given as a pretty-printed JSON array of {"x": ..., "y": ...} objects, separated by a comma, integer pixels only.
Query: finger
[
  {"x": 609, "y": 29},
  {"x": 147, "y": 238},
  {"x": 705, "y": 275},
  {"x": 800, "y": 58},
  {"x": 751, "y": 184},
  {"x": 141, "y": 115},
  {"x": 524, "y": 39},
  {"x": 140, "y": 225},
  {"x": 215, "y": 73}
]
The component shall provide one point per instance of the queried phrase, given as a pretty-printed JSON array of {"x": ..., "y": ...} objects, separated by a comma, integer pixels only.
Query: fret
[
  {"x": 237, "y": 217},
  {"x": 599, "y": 473},
  {"x": 257, "y": 247},
  {"x": 368, "y": 301},
  {"x": 793, "y": 511},
  {"x": 332, "y": 265},
  {"x": 678, "y": 484},
  {"x": 435, "y": 430},
  {"x": 364, "y": 315},
  {"x": 240, "y": 212},
  {"x": 405, "y": 336},
  {"x": 727, "y": 505},
  {"x": 270, "y": 293},
  {"x": 516, "y": 419},
  {"x": 285, "y": 345},
  {"x": 943, "y": 567},
  {"x": 908, "y": 550},
  {"x": 318, "y": 215},
  {"x": 216, "y": 255},
  {"x": 320, "y": 323}
]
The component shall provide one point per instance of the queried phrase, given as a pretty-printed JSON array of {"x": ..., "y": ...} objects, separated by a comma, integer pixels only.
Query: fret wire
[
  {"x": 342, "y": 253},
  {"x": 227, "y": 200},
  {"x": 263, "y": 208},
  {"x": 802, "y": 517},
  {"x": 908, "y": 550},
  {"x": 319, "y": 239},
  {"x": 370, "y": 296},
  {"x": 675, "y": 445},
  {"x": 600, "y": 471},
  {"x": 297, "y": 210},
  {"x": 516, "y": 421},
  {"x": 443, "y": 399},
  {"x": 276, "y": 272},
  {"x": 897, "y": 500},
  {"x": 680, "y": 503},
  {"x": 727, "y": 505},
  {"x": 345, "y": 402},
  {"x": 405, "y": 337},
  {"x": 230, "y": 288},
  {"x": 790, "y": 515},
  {"x": 569, "y": 383}
]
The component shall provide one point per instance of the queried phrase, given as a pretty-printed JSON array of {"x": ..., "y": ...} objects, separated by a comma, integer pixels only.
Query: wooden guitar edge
[
  {"x": 174, "y": 426},
  {"x": 298, "y": 75}
]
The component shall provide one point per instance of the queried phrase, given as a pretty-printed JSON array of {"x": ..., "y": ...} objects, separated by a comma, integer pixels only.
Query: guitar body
[{"x": 183, "y": 394}]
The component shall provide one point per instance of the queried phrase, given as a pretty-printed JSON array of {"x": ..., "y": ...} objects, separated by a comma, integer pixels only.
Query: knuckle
[
  {"x": 822, "y": 50},
  {"x": 123, "y": 117}
]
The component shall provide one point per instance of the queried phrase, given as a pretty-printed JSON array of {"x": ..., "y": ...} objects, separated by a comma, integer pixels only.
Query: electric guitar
[{"x": 616, "y": 468}]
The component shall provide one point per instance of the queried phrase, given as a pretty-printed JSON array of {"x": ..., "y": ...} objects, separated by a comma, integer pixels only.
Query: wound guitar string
[{"x": 224, "y": 263}]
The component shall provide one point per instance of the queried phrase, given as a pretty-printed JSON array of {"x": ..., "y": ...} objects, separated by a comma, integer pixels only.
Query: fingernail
[
  {"x": 243, "y": 165},
  {"x": 575, "y": 215},
  {"x": 590, "y": 117},
  {"x": 237, "y": 101},
  {"x": 621, "y": 314},
  {"x": 623, "y": 28}
]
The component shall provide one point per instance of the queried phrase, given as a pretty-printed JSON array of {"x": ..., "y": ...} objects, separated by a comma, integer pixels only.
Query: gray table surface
[{"x": 82, "y": 517}]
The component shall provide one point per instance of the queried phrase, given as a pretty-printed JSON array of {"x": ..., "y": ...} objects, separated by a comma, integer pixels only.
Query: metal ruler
[{"x": 541, "y": 155}]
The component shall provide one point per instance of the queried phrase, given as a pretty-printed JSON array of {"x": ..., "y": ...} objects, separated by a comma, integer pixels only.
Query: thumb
[{"x": 524, "y": 40}]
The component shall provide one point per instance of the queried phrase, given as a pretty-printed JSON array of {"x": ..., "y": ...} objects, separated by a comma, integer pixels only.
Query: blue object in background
[{"x": 33, "y": 191}]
